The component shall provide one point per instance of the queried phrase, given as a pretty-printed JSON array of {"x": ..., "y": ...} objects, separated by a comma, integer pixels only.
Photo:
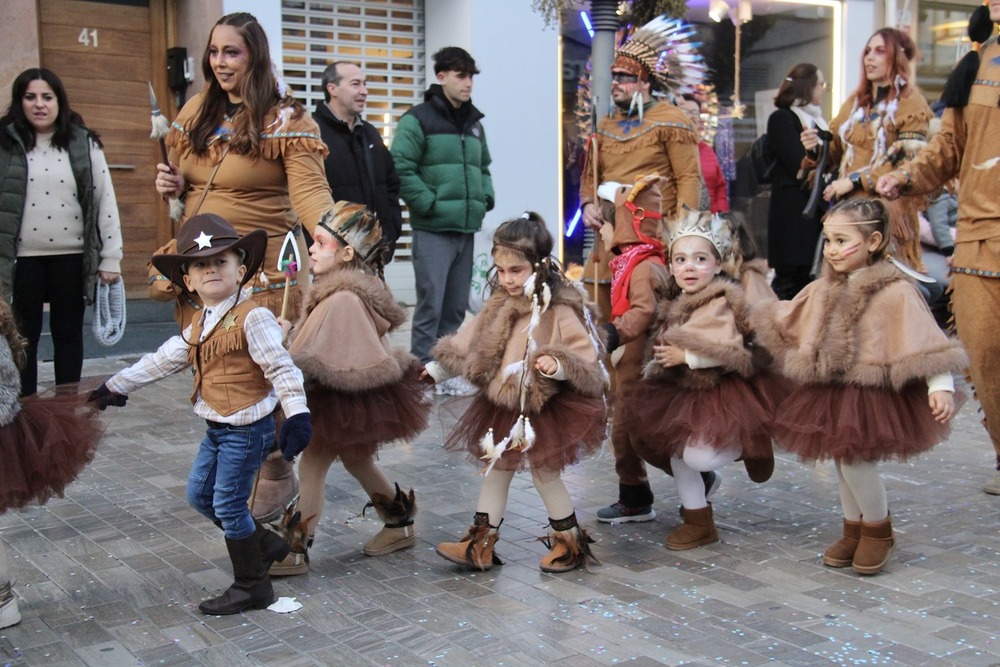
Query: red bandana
[{"x": 621, "y": 273}]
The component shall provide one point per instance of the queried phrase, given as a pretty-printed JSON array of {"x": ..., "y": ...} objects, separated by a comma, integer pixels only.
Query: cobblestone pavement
[{"x": 112, "y": 574}]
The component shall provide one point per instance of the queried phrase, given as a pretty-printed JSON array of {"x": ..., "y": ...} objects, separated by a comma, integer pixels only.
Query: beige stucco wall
[{"x": 19, "y": 36}]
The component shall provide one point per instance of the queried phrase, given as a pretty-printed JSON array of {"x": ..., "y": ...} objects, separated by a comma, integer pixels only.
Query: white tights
[
  {"x": 548, "y": 483},
  {"x": 862, "y": 493},
  {"x": 687, "y": 469},
  {"x": 313, "y": 466}
]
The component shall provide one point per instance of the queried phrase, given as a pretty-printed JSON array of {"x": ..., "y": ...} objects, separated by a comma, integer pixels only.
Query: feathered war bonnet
[
  {"x": 355, "y": 226},
  {"x": 711, "y": 227},
  {"x": 661, "y": 52}
]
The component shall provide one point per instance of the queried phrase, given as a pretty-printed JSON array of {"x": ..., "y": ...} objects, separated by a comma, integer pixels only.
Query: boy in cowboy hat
[{"x": 241, "y": 371}]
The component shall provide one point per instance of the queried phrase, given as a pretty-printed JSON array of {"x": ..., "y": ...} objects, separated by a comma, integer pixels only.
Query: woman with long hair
[
  {"x": 881, "y": 126},
  {"x": 791, "y": 236},
  {"x": 59, "y": 221},
  {"x": 245, "y": 150}
]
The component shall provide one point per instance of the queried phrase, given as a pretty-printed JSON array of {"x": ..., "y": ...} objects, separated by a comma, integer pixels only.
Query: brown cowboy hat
[{"x": 207, "y": 235}]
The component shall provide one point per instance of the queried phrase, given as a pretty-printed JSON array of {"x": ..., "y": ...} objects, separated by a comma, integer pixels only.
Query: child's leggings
[
  {"x": 548, "y": 483},
  {"x": 313, "y": 466},
  {"x": 862, "y": 493},
  {"x": 696, "y": 459}
]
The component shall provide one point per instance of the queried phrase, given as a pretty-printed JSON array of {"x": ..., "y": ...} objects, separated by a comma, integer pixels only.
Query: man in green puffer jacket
[{"x": 443, "y": 165}]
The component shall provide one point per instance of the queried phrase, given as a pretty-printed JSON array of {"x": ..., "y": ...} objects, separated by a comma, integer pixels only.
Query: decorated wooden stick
[
  {"x": 161, "y": 127},
  {"x": 288, "y": 263}
]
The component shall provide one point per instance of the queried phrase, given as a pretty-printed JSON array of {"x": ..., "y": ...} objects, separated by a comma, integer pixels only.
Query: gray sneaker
[{"x": 619, "y": 513}]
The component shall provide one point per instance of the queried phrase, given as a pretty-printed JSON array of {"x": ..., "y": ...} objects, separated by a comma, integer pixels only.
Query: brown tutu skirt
[
  {"x": 569, "y": 427},
  {"x": 850, "y": 423},
  {"x": 46, "y": 446},
  {"x": 664, "y": 418},
  {"x": 353, "y": 425}
]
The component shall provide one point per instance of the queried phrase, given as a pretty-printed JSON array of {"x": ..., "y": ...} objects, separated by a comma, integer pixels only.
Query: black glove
[
  {"x": 104, "y": 397},
  {"x": 611, "y": 337},
  {"x": 295, "y": 435}
]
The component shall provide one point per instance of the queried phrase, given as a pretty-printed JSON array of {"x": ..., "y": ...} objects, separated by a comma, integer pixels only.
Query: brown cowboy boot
[
  {"x": 397, "y": 513},
  {"x": 569, "y": 546},
  {"x": 841, "y": 552},
  {"x": 698, "y": 530},
  {"x": 277, "y": 488},
  {"x": 476, "y": 548},
  {"x": 295, "y": 533},
  {"x": 251, "y": 587},
  {"x": 874, "y": 547}
]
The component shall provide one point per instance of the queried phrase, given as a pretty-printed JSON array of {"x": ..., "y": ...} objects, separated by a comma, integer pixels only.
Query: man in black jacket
[{"x": 359, "y": 167}]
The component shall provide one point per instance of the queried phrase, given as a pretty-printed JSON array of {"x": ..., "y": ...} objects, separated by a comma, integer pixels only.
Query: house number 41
[{"x": 88, "y": 37}]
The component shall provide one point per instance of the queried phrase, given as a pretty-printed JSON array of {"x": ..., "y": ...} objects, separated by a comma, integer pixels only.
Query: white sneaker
[
  {"x": 456, "y": 386},
  {"x": 993, "y": 486},
  {"x": 9, "y": 614}
]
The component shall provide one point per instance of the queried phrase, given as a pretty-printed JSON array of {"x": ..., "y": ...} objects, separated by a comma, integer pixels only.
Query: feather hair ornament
[{"x": 666, "y": 51}]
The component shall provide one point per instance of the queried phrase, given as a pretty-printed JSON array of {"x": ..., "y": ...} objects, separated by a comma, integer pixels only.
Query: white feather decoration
[
  {"x": 546, "y": 297},
  {"x": 487, "y": 444},
  {"x": 529, "y": 435},
  {"x": 511, "y": 369},
  {"x": 529, "y": 287}
]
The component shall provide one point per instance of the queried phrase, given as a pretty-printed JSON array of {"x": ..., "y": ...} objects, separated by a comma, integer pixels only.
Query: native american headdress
[
  {"x": 662, "y": 51},
  {"x": 711, "y": 227},
  {"x": 354, "y": 225}
]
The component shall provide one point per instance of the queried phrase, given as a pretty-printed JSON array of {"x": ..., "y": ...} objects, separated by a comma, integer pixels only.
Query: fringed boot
[
  {"x": 841, "y": 552},
  {"x": 874, "y": 546},
  {"x": 9, "y": 614},
  {"x": 251, "y": 587},
  {"x": 397, "y": 513},
  {"x": 698, "y": 530},
  {"x": 476, "y": 548},
  {"x": 296, "y": 536},
  {"x": 569, "y": 546},
  {"x": 277, "y": 488}
]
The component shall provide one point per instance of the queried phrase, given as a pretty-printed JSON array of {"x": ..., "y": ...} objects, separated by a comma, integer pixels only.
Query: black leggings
[{"x": 56, "y": 280}]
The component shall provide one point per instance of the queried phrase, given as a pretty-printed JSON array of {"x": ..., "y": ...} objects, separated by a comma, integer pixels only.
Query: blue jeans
[{"x": 223, "y": 472}]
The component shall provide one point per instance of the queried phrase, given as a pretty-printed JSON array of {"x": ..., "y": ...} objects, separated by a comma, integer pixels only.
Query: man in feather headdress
[
  {"x": 967, "y": 147},
  {"x": 643, "y": 136}
]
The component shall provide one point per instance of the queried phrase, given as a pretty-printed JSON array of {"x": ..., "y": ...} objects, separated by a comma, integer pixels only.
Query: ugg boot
[
  {"x": 251, "y": 586},
  {"x": 9, "y": 614},
  {"x": 874, "y": 547},
  {"x": 569, "y": 546},
  {"x": 296, "y": 536},
  {"x": 698, "y": 530},
  {"x": 277, "y": 488},
  {"x": 841, "y": 552},
  {"x": 760, "y": 469},
  {"x": 476, "y": 548},
  {"x": 397, "y": 513}
]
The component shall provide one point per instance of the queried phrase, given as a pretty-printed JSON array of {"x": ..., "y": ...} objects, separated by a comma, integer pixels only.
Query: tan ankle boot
[
  {"x": 874, "y": 547},
  {"x": 569, "y": 546},
  {"x": 277, "y": 489},
  {"x": 397, "y": 513},
  {"x": 297, "y": 533},
  {"x": 476, "y": 548},
  {"x": 841, "y": 552},
  {"x": 698, "y": 530}
]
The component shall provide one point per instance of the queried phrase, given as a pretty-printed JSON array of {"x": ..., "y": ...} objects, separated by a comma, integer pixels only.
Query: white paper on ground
[{"x": 285, "y": 605}]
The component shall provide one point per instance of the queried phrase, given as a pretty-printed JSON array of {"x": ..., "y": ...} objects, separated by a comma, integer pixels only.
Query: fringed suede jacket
[
  {"x": 489, "y": 350},
  {"x": 341, "y": 339},
  {"x": 712, "y": 329},
  {"x": 870, "y": 328}
]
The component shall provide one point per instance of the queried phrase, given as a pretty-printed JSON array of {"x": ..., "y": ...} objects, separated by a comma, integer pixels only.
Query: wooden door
[{"x": 105, "y": 53}]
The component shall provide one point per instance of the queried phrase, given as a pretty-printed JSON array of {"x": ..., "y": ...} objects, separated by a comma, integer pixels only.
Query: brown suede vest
[{"x": 224, "y": 372}]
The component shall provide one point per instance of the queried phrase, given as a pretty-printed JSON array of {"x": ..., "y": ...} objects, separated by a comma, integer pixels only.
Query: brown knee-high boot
[
  {"x": 841, "y": 552},
  {"x": 476, "y": 548},
  {"x": 397, "y": 513},
  {"x": 698, "y": 529},
  {"x": 251, "y": 587},
  {"x": 569, "y": 546},
  {"x": 874, "y": 547}
]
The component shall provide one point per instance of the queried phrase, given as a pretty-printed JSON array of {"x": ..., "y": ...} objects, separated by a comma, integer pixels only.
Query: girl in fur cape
[
  {"x": 871, "y": 358},
  {"x": 45, "y": 441},
  {"x": 534, "y": 356},
  {"x": 696, "y": 409},
  {"x": 362, "y": 393}
]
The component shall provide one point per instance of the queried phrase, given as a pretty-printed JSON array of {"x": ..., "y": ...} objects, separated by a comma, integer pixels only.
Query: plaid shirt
[{"x": 265, "y": 346}]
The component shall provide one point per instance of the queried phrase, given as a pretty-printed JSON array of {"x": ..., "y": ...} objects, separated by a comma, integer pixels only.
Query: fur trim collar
[{"x": 372, "y": 291}]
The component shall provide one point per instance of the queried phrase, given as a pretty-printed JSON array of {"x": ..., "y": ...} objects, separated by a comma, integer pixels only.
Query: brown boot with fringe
[
  {"x": 874, "y": 547},
  {"x": 397, "y": 513},
  {"x": 569, "y": 546},
  {"x": 841, "y": 552},
  {"x": 475, "y": 550},
  {"x": 698, "y": 530},
  {"x": 297, "y": 533},
  {"x": 277, "y": 488}
]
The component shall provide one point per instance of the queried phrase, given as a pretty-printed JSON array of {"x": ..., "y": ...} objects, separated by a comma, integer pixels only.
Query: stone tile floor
[{"x": 111, "y": 574}]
